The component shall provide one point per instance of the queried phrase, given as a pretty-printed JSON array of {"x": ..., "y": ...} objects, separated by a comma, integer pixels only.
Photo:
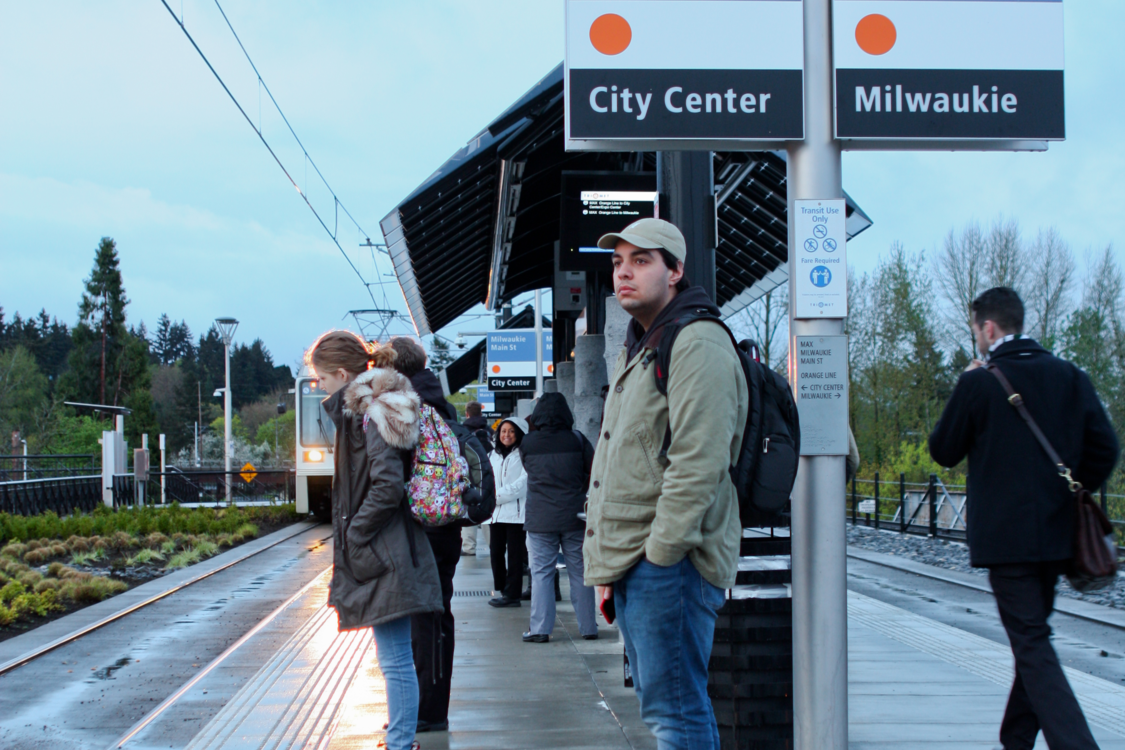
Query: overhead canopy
[{"x": 482, "y": 228}]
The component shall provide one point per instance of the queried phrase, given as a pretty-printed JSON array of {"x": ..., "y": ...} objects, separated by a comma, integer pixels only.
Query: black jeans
[
  {"x": 508, "y": 579},
  {"x": 1041, "y": 697},
  {"x": 434, "y": 660}
]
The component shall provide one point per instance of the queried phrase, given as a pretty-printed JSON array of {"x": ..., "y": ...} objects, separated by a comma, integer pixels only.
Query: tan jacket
[{"x": 685, "y": 504}]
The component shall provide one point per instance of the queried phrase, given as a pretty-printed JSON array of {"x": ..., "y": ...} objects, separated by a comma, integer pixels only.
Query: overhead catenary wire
[{"x": 338, "y": 205}]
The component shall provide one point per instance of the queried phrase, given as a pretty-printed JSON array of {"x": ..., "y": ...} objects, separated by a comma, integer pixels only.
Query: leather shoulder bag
[{"x": 1094, "y": 565}]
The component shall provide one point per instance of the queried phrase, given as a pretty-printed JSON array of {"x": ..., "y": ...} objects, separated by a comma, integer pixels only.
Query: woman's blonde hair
[{"x": 344, "y": 350}]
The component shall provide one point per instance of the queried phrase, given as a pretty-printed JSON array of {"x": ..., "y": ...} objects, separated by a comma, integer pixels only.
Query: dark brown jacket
[{"x": 383, "y": 566}]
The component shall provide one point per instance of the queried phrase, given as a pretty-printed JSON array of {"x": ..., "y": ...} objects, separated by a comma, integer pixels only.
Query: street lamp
[{"x": 226, "y": 328}]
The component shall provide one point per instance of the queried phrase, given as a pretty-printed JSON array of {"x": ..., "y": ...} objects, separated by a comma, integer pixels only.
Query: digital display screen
[{"x": 595, "y": 203}]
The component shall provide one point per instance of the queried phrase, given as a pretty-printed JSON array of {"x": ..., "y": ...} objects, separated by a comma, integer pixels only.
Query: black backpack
[
  {"x": 766, "y": 467},
  {"x": 480, "y": 497}
]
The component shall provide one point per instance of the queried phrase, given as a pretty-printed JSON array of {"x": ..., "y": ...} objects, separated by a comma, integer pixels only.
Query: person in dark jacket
[
  {"x": 475, "y": 421},
  {"x": 433, "y": 637},
  {"x": 557, "y": 460},
  {"x": 1020, "y": 520},
  {"x": 383, "y": 572}
]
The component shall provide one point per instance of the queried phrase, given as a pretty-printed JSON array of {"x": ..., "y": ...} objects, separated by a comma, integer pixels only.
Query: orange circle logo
[
  {"x": 610, "y": 34},
  {"x": 875, "y": 34},
  {"x": 495, "y": 369}
]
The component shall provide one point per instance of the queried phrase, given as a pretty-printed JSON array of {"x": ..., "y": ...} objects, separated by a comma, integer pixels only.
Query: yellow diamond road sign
[{"x": 249, "y": 472}]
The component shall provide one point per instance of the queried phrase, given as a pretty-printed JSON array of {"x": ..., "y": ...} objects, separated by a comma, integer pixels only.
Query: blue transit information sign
[{"x": 511, "y": 359}]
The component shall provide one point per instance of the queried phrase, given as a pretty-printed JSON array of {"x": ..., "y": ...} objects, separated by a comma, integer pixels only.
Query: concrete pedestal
[{"x": 589, "y": 378}]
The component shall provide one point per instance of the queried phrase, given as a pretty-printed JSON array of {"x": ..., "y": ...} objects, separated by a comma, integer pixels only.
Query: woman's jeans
[
  {"x": 667, "y": 619},
  {"x": 396, "y": 661},
  {"x": 543, "y": 548}
]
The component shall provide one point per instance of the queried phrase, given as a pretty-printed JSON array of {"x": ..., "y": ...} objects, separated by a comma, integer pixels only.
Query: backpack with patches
[
  {"x": 479, "y": 496},
  {"x": 438, "y": 478},
  {"x": 766, "y": 468}
]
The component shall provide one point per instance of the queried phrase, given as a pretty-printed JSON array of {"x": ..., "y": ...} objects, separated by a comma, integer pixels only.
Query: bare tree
[
  {"x": 1004, "y": 251},
  {"x": 766, "y": 321},
  {"x": 961, "y": 269},
  {"x": 1047, "y": 285}
]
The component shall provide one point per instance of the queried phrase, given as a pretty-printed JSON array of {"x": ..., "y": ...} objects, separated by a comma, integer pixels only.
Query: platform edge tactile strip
[
  {"x": 295, "y": 698},
  {"x": 1102, "y": 701}
]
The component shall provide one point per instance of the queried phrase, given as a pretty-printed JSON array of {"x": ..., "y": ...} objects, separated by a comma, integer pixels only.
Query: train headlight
[{"x": 314, "y": 457}]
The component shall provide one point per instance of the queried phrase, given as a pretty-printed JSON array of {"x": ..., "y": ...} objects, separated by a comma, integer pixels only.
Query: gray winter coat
[{"x": 383, "y": 566}]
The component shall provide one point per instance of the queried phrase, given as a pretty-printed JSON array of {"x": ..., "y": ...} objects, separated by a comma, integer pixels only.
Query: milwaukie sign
[
  {"x": 948, "y": 69},
  {"x": 688, "y": 71}
]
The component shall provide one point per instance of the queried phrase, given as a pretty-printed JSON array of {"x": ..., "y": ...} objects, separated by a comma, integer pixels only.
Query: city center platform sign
[
  {"x": 948, "y": 69},
  {"x": 510, "y": 359},
  {"x": 688, "y": 74}
]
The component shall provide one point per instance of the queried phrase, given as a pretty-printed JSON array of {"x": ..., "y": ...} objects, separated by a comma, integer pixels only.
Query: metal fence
[
  {"x": 19, "y": 468},
  {"x": 62, "y": 495},
  {"x": 934, "y": 508},
  {"x": 204, "y": 486}
]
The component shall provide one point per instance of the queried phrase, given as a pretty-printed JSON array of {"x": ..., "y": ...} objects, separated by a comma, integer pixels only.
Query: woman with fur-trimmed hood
[{"x": 384, "y": 571}]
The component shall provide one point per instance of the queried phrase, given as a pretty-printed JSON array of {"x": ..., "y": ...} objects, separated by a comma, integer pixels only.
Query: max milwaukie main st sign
[
  {"x": 637, "y": 71},
  {"x": 949, "y": 69}
]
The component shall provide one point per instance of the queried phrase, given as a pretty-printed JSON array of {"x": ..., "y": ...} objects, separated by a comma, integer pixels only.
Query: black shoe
[
  {"x": 432, "y": 726},
  {"x": 526, "y": 595},
  {"x": 590, "y": 637},
  {"x": 530, "y": 637},
  {"x": 503, "y": 601}
]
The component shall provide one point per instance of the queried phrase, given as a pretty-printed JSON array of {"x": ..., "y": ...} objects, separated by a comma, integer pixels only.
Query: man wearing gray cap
[{"x": 663, "y": 528}]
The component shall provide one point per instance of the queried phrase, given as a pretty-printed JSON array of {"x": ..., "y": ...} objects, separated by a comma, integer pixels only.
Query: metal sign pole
[
  {"x": 820, "y": 642},
  {"x": 538, "y": 343}
]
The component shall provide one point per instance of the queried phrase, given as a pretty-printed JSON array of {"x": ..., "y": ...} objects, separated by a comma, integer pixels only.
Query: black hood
[
  {"x": 429, "y": 389},
  {"x": 552, "y": 413},
  {"x": 476, "y": 423},
  {"x": 692, "y": 298}
]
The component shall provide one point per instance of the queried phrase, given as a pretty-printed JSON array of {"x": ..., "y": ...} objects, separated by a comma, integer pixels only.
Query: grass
[{"x": 144, "y": 557}]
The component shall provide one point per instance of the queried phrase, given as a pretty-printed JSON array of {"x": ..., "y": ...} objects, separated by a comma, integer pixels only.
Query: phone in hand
[{"x": 608, "y": 610}]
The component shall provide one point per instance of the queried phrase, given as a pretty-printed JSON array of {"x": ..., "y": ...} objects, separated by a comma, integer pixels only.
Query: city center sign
[{"x": 690, "y": 72}]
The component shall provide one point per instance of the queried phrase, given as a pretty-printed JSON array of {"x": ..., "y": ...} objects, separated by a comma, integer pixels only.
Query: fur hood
[{"x": 385, "y": 397}]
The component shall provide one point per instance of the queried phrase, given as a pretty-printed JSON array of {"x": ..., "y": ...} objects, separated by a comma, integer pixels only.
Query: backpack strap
[{"x": 662, "y": 354}]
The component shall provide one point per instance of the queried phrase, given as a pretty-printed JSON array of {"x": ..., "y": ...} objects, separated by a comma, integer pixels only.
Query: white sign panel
[
  {"x": 511, "y": 359},
  {"x": 821, "y": 274},
  {"x": 948, "y": 69},
  {"x": 822, "y": 394},
  {"x": 866, "y": 506},
  {"x": 683, "y": 70}
]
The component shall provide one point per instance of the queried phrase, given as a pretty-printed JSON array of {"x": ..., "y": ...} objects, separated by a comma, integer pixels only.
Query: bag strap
[{"x": 1016, "y": 400}]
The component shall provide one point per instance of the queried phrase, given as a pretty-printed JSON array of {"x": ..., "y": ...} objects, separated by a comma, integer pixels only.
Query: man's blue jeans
[
  {"x": 667, "y": 617},
  {"x": 396, "y": 661}
]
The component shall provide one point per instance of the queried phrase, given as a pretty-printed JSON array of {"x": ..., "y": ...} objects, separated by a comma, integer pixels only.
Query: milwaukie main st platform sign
[
  {"x": 638, "y": 72},
  {"x": 948, "y": 69}
]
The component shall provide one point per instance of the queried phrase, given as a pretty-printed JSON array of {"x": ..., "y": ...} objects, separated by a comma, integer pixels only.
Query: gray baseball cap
[{"x": 651, "y": 234}]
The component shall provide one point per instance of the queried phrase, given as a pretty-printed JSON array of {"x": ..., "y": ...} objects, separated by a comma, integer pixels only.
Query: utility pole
[
  {"x": 226, "y": 328},
  {"x": 820, "y": 630},
  {"x": 538, "y": 343}
]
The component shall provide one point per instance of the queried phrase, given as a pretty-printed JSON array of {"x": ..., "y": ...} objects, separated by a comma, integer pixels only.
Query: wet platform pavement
[{"x": 913, "y": 682}]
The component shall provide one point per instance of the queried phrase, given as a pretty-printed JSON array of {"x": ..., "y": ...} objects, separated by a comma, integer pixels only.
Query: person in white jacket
[{"x": 507, "y": 521}]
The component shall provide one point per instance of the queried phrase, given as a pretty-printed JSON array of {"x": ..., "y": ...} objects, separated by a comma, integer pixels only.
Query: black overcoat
[
  {"x": 1019, "y": 509},
  {"x": 557, "y": 460}
]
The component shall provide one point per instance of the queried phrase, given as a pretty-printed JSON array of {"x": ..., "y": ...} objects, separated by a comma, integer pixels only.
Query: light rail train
[{"x": 316, "y": 434}]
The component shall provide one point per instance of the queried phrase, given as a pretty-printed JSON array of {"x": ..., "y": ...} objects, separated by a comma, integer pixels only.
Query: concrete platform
[{"x": 913, "y": 682}]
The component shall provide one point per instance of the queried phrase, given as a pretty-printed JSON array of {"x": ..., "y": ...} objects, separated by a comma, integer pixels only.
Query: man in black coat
[
  {"x": 557, "y": 459},
  {"x": 1020, "y": 520}
]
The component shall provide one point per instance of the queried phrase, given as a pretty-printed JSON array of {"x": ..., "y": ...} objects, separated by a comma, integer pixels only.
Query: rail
[
  {"x": 19, "y": 468},
  {"x": 62, "y": 495},
  {"x": 934, "y": 508},
  {"x": 205, "y": 486}
]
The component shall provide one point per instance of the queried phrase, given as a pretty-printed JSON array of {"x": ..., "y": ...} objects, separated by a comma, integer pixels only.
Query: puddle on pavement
[{"x": 106, "y": 673}]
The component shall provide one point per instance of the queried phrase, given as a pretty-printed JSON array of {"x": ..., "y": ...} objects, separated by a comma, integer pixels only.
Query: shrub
[
  {"x": 29, "y": 579},
  {"x": 91, "y": 589},
  {"x": 37, "y": 556},
  {"x": 33, "y": 544},
  {"x": 7, "y": 617},
  {"x": 14, "y": 549},
  {"x": 121, "y": 541},
  {"x": 206, "y": 549},
  {"x": 100, "y": 544},
  {"x": 55, "y": 568},
  {"x": 168, "y": 547},
  {"x": 11, "y": 590},
  {"x": 223, "y": 540},
  {"x": 247, "y": 530},
  {"x": 179, "y": 560},
  {"x": 155, "y": 540},
  {"x": 47, "y": 583},
  {"x": 77, "y": 544}
]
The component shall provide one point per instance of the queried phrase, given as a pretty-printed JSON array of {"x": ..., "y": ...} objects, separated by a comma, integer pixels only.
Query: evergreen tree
[
  {"x": 440, "y": 354},
  {"x": 162, "y": 341},
  {"x": 100, "y": 334}
]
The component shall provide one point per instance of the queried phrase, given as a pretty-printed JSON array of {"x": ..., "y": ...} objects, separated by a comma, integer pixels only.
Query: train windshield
[{"x": 317, "y": 430}]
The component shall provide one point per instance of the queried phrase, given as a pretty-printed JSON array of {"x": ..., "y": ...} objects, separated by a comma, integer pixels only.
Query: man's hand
[
  {"x": 603, "y": 593},
  {"x": 974, "y": 365}
]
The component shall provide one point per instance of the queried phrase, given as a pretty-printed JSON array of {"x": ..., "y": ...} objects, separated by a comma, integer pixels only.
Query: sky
[{"x": 112, "y": 125}]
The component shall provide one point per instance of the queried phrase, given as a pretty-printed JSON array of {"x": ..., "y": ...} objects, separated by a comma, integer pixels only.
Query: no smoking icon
[{"x": 819, "y": 230}]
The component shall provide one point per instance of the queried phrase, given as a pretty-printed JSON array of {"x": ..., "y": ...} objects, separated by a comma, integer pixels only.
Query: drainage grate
[{"x": 473, "y": 592}]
